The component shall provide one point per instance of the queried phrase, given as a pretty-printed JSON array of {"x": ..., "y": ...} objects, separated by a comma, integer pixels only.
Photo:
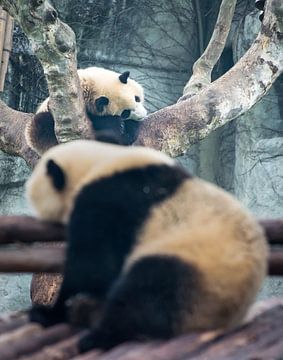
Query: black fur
[
  {"x": 125, "y": 114},
  {"x": 56, "y": 174},
  {"x": 125, "y": 131},
  {"x": 108, "y": 136},
  {"x": 101, "y": 102},
  {"x": 103, "y": 227},
  {"x": 147, "y": 302},
  {"x": 124, "y": 77},
  {"x": 259, "y": 4},
  {"x": 42, "y": 131}
]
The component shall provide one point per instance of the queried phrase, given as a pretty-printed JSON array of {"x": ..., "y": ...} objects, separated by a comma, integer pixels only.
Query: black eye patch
[
  {"x": 101, "y": 102},
  {"x": 125, "y": 114},
  {"x": 137, "y": 99}
]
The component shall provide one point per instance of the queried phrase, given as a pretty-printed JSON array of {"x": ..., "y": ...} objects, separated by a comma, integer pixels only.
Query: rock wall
[{"x": 14, "y": 289}]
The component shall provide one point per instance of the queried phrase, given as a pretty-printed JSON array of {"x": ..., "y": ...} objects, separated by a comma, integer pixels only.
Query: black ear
[
  {"x": 124, "y": 77},
  {"x": 57, "y": 175},
  {"x": 101, "y": 102}
]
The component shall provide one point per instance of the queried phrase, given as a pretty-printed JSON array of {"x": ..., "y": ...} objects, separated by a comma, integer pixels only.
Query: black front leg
[{"x": 48, "y": 315}]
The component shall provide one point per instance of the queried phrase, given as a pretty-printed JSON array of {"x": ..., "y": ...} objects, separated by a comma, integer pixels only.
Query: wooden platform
[{"x": 259, "y": 338}]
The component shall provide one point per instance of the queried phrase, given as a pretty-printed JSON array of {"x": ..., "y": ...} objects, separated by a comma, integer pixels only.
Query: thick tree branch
[
  {"x": 203, "y": 67},
  {"x": 12, "y": 133},
  {"x": 175, "y": 128},
  {"x": 54, "y": 44}
]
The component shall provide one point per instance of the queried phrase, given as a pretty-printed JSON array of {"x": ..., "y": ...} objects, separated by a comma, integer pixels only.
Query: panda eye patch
[
  {"x": 125, "y": 114},
  {"x": 137, "y": 99}
]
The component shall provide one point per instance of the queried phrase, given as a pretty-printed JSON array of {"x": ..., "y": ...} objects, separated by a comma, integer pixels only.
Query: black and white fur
[
  {"x": 160, "y": 252},
  {"x": 114, "y": 105}
]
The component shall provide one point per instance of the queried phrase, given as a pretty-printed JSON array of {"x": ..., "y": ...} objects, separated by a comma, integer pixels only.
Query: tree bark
[
  {"x": 203, "y": 67},
  {"x": 175, "y": 128},
  {"x": 54, "y": 44}
]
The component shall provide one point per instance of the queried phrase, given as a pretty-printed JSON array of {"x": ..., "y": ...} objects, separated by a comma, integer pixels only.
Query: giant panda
[
  {"x": 114, "y": 103},
  {"x": 159, "y": 251}
]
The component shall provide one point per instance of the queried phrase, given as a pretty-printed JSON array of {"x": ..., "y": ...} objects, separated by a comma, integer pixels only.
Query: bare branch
[
  {"x": 54, "y": 44},
  {"x": 203, "y": 67},
  {"x": 175, "y": 128}
]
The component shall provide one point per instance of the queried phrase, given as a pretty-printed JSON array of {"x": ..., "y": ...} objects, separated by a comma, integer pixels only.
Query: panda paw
[
  {"x": 44, "y": 315},
  {"x": 95, "y": 340}
]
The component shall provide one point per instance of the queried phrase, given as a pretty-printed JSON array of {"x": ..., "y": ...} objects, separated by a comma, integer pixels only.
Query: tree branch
[
  {"x": 175, "y": 128},
  {"x": 203, "y": 67},
  {"x": 54, "y": 44},
  {"x": 12, "y": 133},
  {"x": 172, "y": 129}
]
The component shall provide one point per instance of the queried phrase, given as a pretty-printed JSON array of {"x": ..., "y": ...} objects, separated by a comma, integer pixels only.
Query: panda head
[
  {"x": 57, "y": 177},
  {"x": 65, "y": 169},
  {"x": 109, "y": 93}
]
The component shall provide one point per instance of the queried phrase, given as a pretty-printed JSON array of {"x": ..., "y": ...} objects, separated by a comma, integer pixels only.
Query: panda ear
[
  {"x": 124, "y": 77},
  {"x": 101, "y": 102},
  {"x": 56, "y": 174}
]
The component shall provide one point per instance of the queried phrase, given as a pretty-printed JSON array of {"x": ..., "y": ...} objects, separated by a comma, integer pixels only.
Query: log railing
[{"x": 24, "y": 239}]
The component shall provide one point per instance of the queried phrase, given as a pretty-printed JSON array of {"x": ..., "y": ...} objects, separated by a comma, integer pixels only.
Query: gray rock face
[
  {"x": 14, "y": 289},
  {"x": 258, "y": 175}
]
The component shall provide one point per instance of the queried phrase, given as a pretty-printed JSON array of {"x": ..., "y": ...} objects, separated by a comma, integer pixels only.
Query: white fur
[
  {"x": 97, "y": 82},
  {"x": 81, "y": 160},
  {"x": 200, "y": 224}
]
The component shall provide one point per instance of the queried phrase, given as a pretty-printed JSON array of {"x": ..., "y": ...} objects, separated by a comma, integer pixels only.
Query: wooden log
[
  {"x": 51, "y": 260},
  {"x": 31, "y": 338},
  {"x": 7, "y": 47},
  {"x": 29, "y": 260},
  {"x": 3, "y": 19},
  {"x": 260, "y": 339},
  {"x": 275, "y": 263},
  {"x": 45, "y": 287},
  {"x": 62, "y": 350},
  {"x": 274, "y": 230},
  {"x": 264, "y": 335},
  {"x": 27, "y": 229},
  {"x": 12, "y": 321}
]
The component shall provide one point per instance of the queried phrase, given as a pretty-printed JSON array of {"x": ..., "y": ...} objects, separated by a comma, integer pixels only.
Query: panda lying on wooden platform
[{"x": 160, "y": 251}]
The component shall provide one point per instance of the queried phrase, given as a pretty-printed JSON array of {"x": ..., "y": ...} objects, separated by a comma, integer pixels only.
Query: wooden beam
[
  {"x": 30, "y": 260},
  {"x": 7, "y": 47},
  {"x": 27, "y": 229},
  {"x": 273, "y": 229}
]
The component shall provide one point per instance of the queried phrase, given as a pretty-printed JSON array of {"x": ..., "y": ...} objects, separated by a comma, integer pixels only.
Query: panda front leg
[
  {"x": 147, "y": 302},
  {"x": 48, "y": 315}
]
